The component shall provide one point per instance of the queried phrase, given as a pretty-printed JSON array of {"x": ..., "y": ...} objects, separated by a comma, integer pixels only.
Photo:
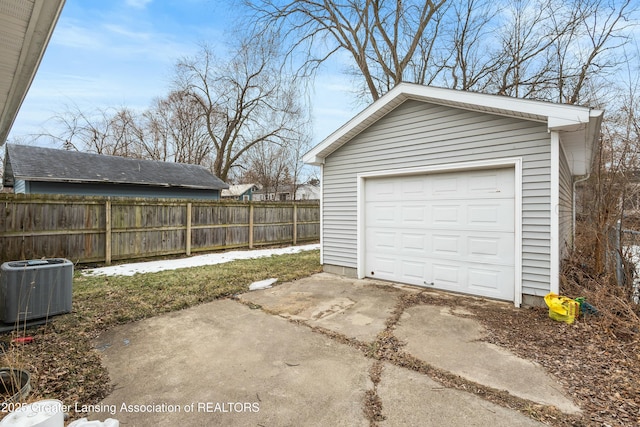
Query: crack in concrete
[{"x": 388, "y": 348}]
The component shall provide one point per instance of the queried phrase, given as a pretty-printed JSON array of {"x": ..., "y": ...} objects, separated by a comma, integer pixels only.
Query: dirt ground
[{"x": 600, "y": 370}]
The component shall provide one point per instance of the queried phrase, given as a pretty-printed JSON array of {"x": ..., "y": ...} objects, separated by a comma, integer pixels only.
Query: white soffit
[{"x": 25, "y": 30}]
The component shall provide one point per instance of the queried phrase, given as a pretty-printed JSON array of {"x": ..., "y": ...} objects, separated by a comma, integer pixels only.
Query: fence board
[{"x": 90, "y": 229}]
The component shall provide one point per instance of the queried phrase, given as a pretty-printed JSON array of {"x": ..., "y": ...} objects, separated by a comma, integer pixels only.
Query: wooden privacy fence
[{"x": 99, "y": 229}]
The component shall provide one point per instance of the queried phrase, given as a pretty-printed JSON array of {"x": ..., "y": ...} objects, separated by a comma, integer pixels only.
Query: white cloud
[
  {"x": 74, "y": 35},
  {"x": 121, "y": 30}
]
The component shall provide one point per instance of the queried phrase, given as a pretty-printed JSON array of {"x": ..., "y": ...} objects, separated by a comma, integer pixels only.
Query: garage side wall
[
  {"x": 418, "y": 134},
  {"x": 566, "y": 207}
]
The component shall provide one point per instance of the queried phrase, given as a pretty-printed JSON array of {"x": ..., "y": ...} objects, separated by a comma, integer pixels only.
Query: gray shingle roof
[
  {"x": 32, "y": 163},
  {"x": 237, "y": 190}
]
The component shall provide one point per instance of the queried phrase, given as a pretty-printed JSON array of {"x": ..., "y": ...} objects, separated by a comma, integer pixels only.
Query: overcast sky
[{"x": 120, "y": 53}]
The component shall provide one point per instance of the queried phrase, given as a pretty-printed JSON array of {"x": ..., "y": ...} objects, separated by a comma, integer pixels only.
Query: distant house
[
  {"x": 284, "y": 193},
  {"x": 38, "y": 170},
  {"x": 308, "y": 192},
  {"x": 240, "y": 192}
]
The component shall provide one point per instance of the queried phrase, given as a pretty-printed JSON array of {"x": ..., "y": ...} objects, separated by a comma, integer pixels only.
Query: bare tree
[
  {"x": 473, "y": 57},
  {"x": 603, "y": 29},
  {"x": 102, "y": 131},
  {"x": 383, "y": 37},
  {"x": 267, "y": 165},
  {"x": 85, "y": 131},
  {"x": 275, "y": 166},
  {"x": 125, "y": 134},
  {"x": 243, "y": 102},
  {"x": 542, "y": 49},
  {"x": 524, "y": 39},
  {"x": 176, "y": 130}
]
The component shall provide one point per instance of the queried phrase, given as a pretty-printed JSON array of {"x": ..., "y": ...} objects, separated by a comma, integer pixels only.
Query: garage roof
[
  {"x": 31, "y": 163},
  {"x": 578, "y": 126},
  {"x": 25, "y": 30}
]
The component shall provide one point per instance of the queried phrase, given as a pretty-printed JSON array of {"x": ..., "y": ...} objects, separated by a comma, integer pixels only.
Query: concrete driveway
[{"x": 297, "y": 355}]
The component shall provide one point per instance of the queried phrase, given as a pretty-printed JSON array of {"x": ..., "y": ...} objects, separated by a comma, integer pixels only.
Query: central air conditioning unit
[{"x": 35, "y": 289}]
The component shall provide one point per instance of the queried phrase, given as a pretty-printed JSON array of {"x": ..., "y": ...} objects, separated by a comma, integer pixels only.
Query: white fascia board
[
  {"x": 312, "y": 160},
  {"x": 560, "y": 117}
]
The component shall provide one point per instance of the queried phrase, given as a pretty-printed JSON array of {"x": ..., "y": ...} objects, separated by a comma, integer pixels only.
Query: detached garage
[{"x": 453, "y": 190}]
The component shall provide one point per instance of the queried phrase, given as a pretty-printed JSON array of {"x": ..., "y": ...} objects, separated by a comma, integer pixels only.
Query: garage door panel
[
  {"x": 413, "y": 215},
  {"x": 412, "y": 188},
  {"x": 446, "y": 245},
  {"x": 382, "y": 241},
  {"x": 445, "y": 216},
  {"x": 446, "y": 186},
  {"x": 383, "y": 215},
  {"x": 413, "y": 271},
  {"x": 493, "y": 283},
  {"x": 413, "y": 243},
  {"x": 494, "y": 215},
  {"x": 446, "y": 276},
  {"x": 473, "y": 246},
  {"x": 384, "y": 190},
  {"x": 494, "y": 248},
  {"x": 484, "y": 246},
  {"x": 475, "y": 279},
  {"x": 385, "y": 267},
  {"x": 452, "y": 231},
  {"x": 497, "y": 214},
  {"x": 499, "y": 182}
]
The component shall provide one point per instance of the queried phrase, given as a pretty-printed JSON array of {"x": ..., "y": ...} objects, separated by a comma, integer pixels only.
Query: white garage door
[{"x": 451, "y": 231}]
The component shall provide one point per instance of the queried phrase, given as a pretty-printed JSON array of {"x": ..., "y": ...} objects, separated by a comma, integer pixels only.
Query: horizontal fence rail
[{"x": 104, "y": 229}]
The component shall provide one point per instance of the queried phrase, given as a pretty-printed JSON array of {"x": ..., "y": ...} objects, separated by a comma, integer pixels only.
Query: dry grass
[{"x": 61, "y": 360}]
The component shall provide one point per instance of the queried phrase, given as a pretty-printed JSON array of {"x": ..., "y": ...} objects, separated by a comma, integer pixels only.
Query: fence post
[
  {"x": 107, "y": 232},
  {"x": 295, "y": 223},
  {"x": 250, "y": 225},
  {"x": 187, "y": 237}
]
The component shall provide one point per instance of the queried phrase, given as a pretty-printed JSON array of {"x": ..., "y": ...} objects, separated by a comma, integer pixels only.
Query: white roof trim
[
  {"x": 581, "y": 123},
  {"x": 28, "y": 51}
]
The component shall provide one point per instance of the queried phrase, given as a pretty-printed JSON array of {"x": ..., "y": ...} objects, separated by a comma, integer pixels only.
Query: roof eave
[
  {"x": 42, "y": 22},
  {"x": 100, "y": 181},
  {"x": 560, "y": 117}
]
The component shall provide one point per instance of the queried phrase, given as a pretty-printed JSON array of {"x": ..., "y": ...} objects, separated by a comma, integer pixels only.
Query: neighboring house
[
  {"x": 242, "y": 192},
  {"x": 307, "y": 192},
  {"x": 38, "y": 170},
  {"x": 285, "y": 192},
  {"x": 453, "y": 190},
  {"x": 25, "y": 30},
  {"x": 281, "y": 195}
]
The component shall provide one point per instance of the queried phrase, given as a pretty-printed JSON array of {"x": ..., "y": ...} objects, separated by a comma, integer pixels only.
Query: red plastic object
[{"x": 22, "y": 340}]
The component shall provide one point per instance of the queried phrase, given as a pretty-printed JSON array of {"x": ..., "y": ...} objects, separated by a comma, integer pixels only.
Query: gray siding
[
  {"x": 566, "y": 208},
  {"x": 419, "y": 134},
  {"x": 120, "y": 190}
]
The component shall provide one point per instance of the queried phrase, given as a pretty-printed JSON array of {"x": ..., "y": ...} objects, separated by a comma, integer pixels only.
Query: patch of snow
[
  {"x": 194, "y": 261},
  {"x": 262, "y": 284}
]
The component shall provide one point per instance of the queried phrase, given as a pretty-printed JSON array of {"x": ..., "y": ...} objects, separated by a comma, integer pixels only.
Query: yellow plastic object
[{"x": 562, "y": 309}]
